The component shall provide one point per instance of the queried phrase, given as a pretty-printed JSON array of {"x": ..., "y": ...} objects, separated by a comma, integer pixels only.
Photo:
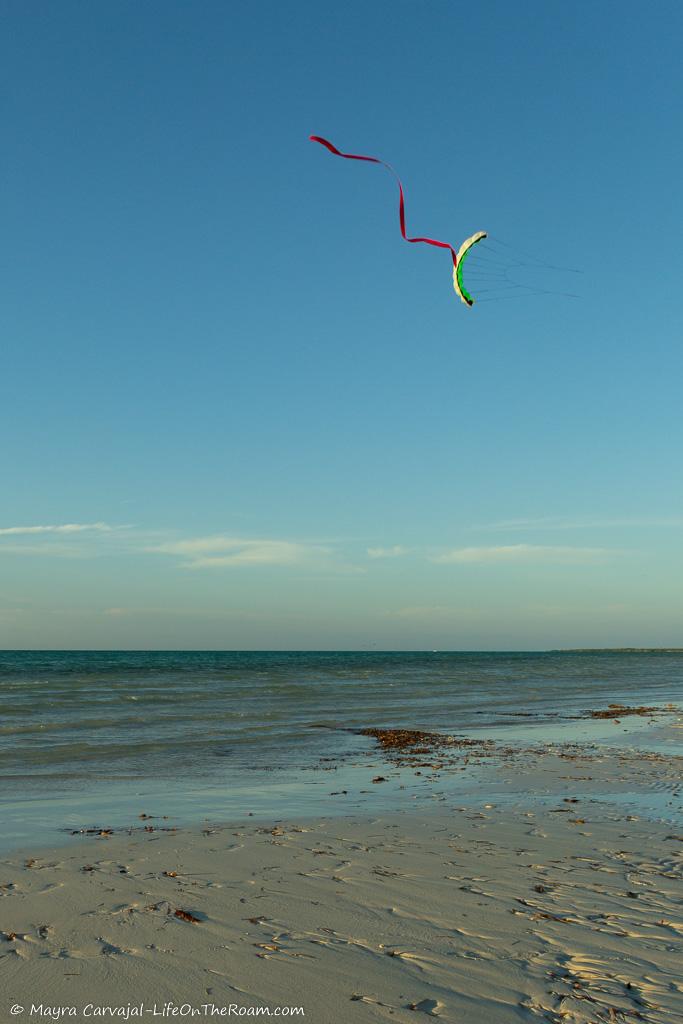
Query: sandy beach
[{"x": 559, "y": 904}]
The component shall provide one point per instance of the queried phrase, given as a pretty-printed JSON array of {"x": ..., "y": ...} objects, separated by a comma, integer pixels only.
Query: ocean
[{"x": 85, "y": 736}]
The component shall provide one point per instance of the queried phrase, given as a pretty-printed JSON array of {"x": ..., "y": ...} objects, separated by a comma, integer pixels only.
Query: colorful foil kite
[{"x": 457, "y": 257}]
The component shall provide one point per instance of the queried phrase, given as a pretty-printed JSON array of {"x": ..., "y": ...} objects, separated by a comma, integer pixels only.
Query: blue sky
[{"x": 238, "y": 411}]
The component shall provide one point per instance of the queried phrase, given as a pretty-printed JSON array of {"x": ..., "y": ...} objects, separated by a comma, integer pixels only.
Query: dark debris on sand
[
  {"x": 621, "y": 710},
  {"x": 415, "y": 741},
  {"x": 409, "y": 746}
]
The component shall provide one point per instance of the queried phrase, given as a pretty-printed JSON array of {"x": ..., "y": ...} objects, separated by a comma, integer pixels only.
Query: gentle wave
[{"x": 146, "y": 713}]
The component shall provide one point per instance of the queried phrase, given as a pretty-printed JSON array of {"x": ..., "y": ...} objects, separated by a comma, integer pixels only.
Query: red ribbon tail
[{"x": 401, "y": 202}]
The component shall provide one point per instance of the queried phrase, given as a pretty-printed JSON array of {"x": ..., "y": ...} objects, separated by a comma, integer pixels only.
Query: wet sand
[{"x": 553, "y": 906}]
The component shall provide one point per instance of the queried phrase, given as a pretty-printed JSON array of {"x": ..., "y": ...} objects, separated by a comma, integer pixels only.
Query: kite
[{"x": 457, "y": 257}]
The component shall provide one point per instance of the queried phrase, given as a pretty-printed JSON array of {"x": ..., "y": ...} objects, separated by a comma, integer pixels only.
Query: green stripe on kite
[{"x": 460, "y": 259}]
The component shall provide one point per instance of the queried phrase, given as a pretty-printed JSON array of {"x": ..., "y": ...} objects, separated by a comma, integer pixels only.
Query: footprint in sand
[
  {"x": 50, "y": 887},
  {"x": 109, "y": 949},
  {"x": 430, "y": 1006},
  {"x": 358, "y": 998}
]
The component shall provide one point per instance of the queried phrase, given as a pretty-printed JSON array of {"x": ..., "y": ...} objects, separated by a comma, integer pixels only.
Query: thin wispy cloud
[
  {"x": 184, "y": 612},
  {"x": 397, "y": 551},
  {"x": 45, "y": 550},
  {"x": 520, "y": 553},
  {"x": 588, "y": 523},
  {"x": 216, "y": 551},
  {"x": 225, "y": 552},
  {"x": 64, "y": 540},
  {"x": 13, "y": 531},
  {"x": 435, "y": 612}
]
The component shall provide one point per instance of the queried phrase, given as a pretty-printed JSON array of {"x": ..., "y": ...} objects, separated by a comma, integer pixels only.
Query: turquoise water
[{"x": 86, "y": 736}]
